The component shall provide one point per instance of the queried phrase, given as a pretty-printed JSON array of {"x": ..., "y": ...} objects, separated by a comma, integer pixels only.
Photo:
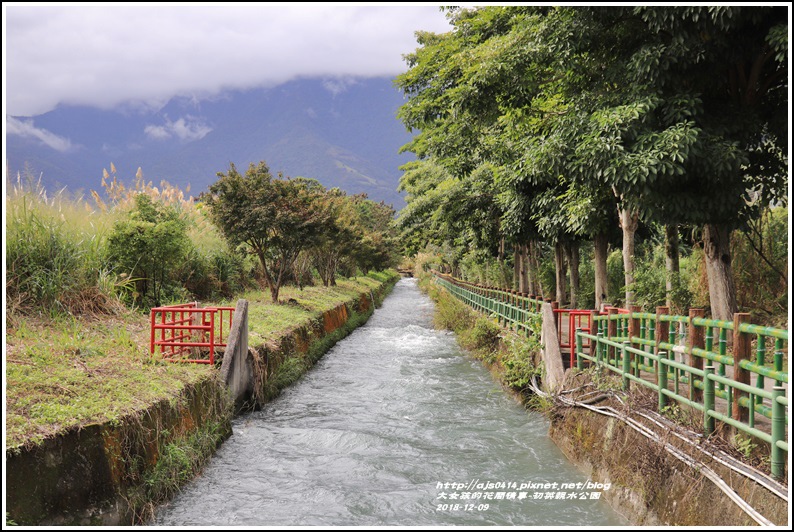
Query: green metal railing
[
  {"x": 512, "y": 309},
  {"x": 667, "y": 353},
  {"x": 690, "y": 359}
]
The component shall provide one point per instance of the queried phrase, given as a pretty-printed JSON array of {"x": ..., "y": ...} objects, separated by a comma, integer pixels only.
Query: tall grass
[
  {"x": 56, "y": 249},
  {"x": 54, "y": 252}
]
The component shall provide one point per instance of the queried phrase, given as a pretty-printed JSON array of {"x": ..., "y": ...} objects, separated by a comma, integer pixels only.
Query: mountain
[{"x": 345, "y": 135}]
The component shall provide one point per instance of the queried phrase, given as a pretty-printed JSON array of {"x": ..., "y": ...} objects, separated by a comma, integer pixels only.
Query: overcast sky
[{"x": 107, "y": 56}]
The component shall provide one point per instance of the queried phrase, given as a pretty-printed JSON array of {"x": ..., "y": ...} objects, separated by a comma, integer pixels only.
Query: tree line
[
  {"x": 287, "y": 222},
  {"x": 542, "y": 128},
  {"x": 145, "y": 245}
]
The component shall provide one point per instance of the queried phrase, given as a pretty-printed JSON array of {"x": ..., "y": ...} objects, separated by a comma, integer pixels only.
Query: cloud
[
  {"x": 108, "y": 55},
  {"x": 25, "y": 128},
  {"x": 186, "y": 128},
  {"x": 338, "y": 86}
]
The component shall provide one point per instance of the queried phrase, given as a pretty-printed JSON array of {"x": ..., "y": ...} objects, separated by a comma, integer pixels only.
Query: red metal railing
[
  {"x": 184, "y": 330},
  {"x": 576, "y": 319}
]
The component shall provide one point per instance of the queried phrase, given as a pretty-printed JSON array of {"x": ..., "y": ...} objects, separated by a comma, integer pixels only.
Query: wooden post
[
  {"x": 695, "y": 338},
  {"x": 741, "y": 351}
]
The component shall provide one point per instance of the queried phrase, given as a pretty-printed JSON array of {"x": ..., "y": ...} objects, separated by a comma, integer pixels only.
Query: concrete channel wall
[
  {"x": 649, "y": 485},
  {"x": 97, "y": 475}
]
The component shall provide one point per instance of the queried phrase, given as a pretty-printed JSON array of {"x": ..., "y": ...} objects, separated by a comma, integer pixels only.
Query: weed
[
  {"x": 604, "y": 380},
  {"x": 744, "y": 445}
]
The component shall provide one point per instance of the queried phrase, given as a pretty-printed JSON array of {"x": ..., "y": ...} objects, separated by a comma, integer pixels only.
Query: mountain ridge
[{"x": 345, "y": 137}]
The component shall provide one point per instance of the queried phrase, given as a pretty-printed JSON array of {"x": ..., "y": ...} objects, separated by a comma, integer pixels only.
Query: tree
[
  {"x": 671, "y": 115},
  {"x": 273, "y": 218},
  {"x": 338, "y": 238},
  {"x": 149, "y": 245}
]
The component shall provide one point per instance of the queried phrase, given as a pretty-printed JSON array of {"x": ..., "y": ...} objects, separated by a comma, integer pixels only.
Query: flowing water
[{"x": 394, "y": 426}]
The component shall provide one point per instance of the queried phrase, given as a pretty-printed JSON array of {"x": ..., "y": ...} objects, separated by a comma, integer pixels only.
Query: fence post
[
  {"x": 778, "y": 359},
  {"x": 598, "y": 349},
  {"x": 695, "y": 339},
  {"x": 778, "y": 458},
  {"x": 579, "y": 361},
  {"x": 593, "y": 328},
  {"x": 151, "y": 328},
  {"x": 661, "y": 379},
  {"x": 662, "y": 332},
  {"x": 708, "y": 401},
  {"x": 612, "y": 328},
  {"x": 634, "y": 331},
  {"x": 741, "y": 351},
  {"x": 626, "y": 366}
]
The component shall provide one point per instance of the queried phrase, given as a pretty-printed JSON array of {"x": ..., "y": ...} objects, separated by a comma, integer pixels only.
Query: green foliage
[
  {"x": 586, "y": 295},
  {"x": 518, "y": 357},
  {"x": 450, "y": 314},
  {"x": 616, "y": 278},
  {"x": 484, "y": 335},
  {"x": 760, "y": 257},
  {"x": 149, "y": 244},
  {"x": 650, "y": 278},
  {"x": 537, "y": 122},
  {"x": 180, "y": 461},
  {"x": 277, "y": 219},
  {"x": 744, "y": 444},
  {"x": 273, "y": 218},
  {"x": 681, "y": 415}
]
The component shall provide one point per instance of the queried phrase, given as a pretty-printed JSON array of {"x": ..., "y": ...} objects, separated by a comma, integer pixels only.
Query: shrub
[{"x": 150, "y": 244}]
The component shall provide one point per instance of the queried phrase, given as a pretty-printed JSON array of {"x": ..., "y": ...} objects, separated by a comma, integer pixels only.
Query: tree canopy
[{"x": 667, "y": 114}]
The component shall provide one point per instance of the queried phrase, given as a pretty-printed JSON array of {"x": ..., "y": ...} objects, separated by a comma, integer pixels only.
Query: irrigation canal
[{"x": 394, "y": 426}]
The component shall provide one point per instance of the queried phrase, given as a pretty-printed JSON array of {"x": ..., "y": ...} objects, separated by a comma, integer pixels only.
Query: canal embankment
[{"x": 98, "y": 432}]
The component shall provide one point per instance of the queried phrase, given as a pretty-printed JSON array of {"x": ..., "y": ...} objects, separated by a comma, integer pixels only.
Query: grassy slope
[
  {"x": 74, "y": 372},
  {"x": 267, "y": 321}
]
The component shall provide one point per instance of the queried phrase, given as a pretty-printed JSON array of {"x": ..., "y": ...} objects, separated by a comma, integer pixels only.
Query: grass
[
  {"x": 73, "y": 372},
  {"x": 268, "y": 321}
]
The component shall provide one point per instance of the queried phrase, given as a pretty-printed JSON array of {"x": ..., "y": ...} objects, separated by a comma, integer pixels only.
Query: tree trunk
[
  {"x": 501, "y": 260},
  {"x": 629, "y": 219},
  {"x": 722, "y": 291},
  {"x": 516, "y": 267},
  {"x": 671, "y": 262},
  {"x": 572, "y": 255},
  {"x": 601, "y": 247},
  {"x": 534, "y": 260},
  {"x": 560, "y": 271},
  {"x": 524, "y": 272}
]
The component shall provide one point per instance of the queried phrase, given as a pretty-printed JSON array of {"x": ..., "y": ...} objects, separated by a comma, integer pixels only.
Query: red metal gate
[
  {"x": 186, "y": 329},
  {"x": 568, "y": 321}
]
